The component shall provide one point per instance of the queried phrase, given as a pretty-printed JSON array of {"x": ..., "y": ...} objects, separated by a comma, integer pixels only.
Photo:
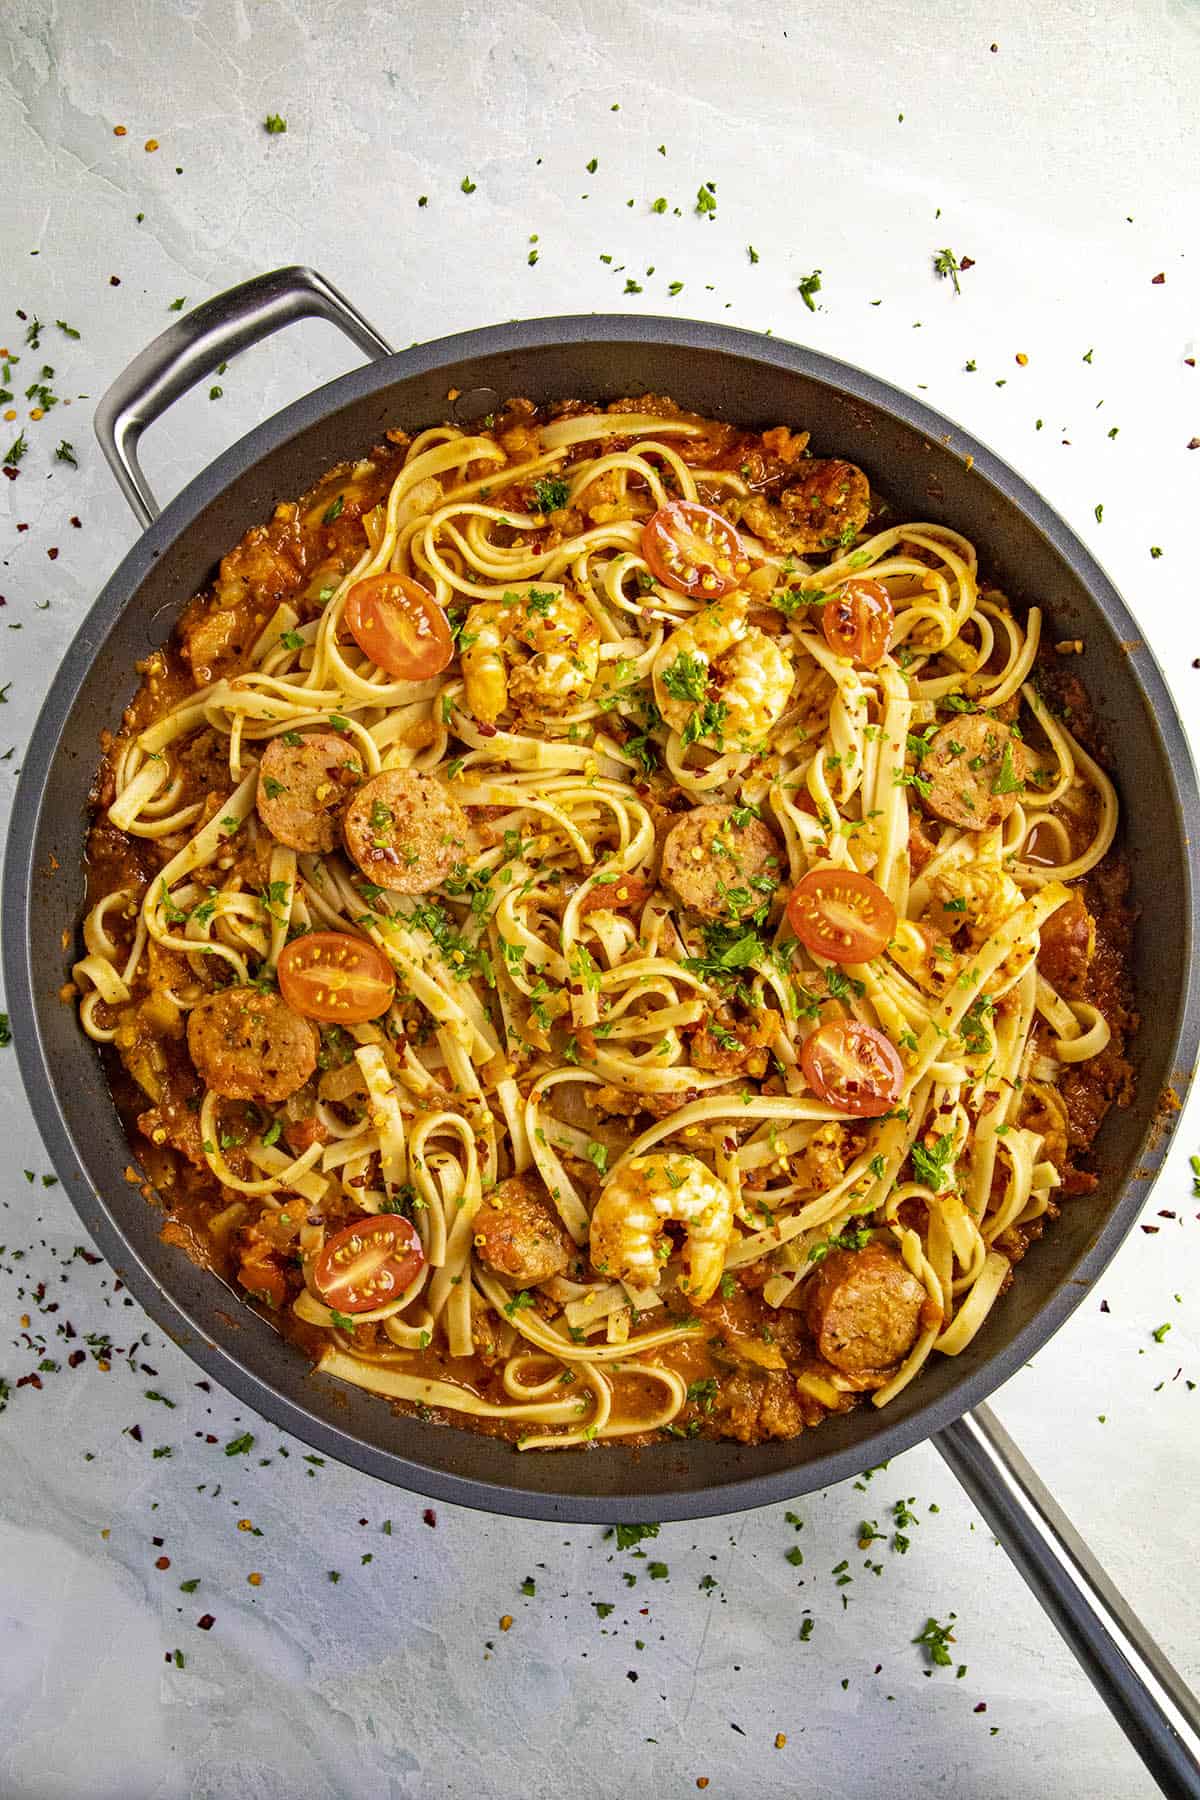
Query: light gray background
[{"x": 1063, "y": 161}]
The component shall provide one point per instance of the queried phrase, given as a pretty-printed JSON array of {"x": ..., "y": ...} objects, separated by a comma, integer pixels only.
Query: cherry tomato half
[
  {"x": 368, "y": 1263},
  {"x": 853, "y": 1067},
  {"x": 694, "y": 550},
  {"x": 332, "y": 976},
  {"x": 841, "y": 914},
  {"x": 857, "y": 621},
  {"x": 400, "y": 626}
]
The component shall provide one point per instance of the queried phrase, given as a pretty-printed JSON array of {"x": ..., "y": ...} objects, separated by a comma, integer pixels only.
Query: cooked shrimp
[
  {"x": 718, "y": 678},
  {"x": 626, "y": 1235},
  {"x": 537, "y": 650},
  {"x": 982, "y": 898}
]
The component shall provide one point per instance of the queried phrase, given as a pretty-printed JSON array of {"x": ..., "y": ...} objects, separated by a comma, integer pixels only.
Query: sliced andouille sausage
[
  {"x": 864, "y": 1309},
  {"x": 718, "y": 867},
  {"x": 1068, "y": 945},
  {"x": 250, "y": 1045},
  {"x": 520, "y": 1236},
  {"x": 404, "y": 831},
  {"x": 976, "y": 769},
  {"x": 303, "y": 785}
]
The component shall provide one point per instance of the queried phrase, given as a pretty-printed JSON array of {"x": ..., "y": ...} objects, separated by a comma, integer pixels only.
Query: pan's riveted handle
[
  {"x": 192, "y": 349},
  {"x": 1147, "y": 1696}
]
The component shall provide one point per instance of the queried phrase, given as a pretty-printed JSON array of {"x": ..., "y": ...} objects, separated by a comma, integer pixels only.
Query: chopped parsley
[
  {"x": 550, "y": 494},
  {"x": 808, "y": 286}
]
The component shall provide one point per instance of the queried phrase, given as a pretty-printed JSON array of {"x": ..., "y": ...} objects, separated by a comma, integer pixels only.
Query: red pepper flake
[
  {"x": 30, "y": 1381},
  {"x": 1151, "y": 1230},
  {"x": 11, "y": 472},
  {"x": 78, "y": 524},
  {"x": 1157, "y": 280},
  {"x": 1104, "y": 1306},
  {"x": 966, "y": 262},
  {"x": 430, "y": 1518},
  {"x": 205, "y": 1622},
  {"x": 1189, "y": 362},
  {"x": 24, "y": 527},
  {"x": 162, "y": 1562},
  {"x": 76, "y": 1357},
  {"x": 114, "y": 281},
  {"x": 981, "y": 1707},
  {"x": 1165, "y": 1213},
  {"x": 53, "y": 554},
  {"x": 135, "y": 1432},
  {"x": 1194, "y": 443},
  {"x": 158, "y": 1542}
]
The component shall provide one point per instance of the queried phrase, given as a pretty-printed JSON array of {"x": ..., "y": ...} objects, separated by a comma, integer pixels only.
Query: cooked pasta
[{"x": 606, "y": 931}]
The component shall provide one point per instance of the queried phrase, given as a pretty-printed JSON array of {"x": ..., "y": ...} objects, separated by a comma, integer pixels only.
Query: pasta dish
[{"x": 601, "y": 930}]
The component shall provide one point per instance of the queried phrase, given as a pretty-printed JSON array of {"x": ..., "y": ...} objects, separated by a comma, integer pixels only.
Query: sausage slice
[
  {"x": 404, "y": 831},
  {"x": 302, "y": 786},
  {"x": 976, "y": 770},
  {"x": 718, "y": 867},
  {"x": 250, "y": 1045},
  {"x": 1067, "y": 947},
  {"x": 520, "y": 1236},
  {"x": 864, "y": 1309}
]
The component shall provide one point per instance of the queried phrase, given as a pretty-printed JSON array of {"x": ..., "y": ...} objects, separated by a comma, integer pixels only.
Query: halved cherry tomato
[
  {"x": 368, "y": 1263},
  {"x": 841, "y": 914},
  {"x": 332, "y": 976},
  {"x": 400, "y": 626},
  {"x": 853, "y": 1067},
  {"x": 694, "y": 550},
  {"x": 857, "y": 621}
]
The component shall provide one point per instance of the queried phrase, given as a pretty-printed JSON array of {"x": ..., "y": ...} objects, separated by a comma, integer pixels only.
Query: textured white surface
[{"x": 1063, "y": 162}]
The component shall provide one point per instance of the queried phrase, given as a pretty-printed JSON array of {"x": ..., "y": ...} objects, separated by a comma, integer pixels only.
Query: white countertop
[{"x": 1060, "y": 146}]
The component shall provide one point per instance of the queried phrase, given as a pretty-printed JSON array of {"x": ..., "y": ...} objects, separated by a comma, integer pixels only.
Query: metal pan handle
[
  {"x": 191, "y": 350},
  {"x": 1149, "y": 1700}
]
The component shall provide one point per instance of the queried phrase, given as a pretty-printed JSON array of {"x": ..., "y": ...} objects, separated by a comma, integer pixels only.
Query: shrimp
[
  {"x": 719, "y": 678},
  {"x": 626, "y": 1233},
  {"x": 537, "y": 650},
  {"x": 983, "y": 897}
]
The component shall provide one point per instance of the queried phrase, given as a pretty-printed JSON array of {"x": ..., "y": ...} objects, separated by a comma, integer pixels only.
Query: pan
[{"x": 928, "y": 467}]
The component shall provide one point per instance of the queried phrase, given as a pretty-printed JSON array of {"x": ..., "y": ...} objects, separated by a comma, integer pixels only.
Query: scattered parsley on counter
[
  {"x": 274, "y": 124},
  {"x": 1098, "y": 509},
  {"x": 935, "y": 1639},
  {"x": 67, "y": 330},
  {"x": 806, "y": 1630},
  {"x": 238, "y": 1446},
  {"x": 1160, "y": 1332},
  {"x": 178, "y": 305},
  {"x": 66, "y": 453},
  {"x": 808, "y": 286},
  {"x": 1156, "y": 551},
  {"x": 658, "y": 1571},
  {"x": 5, "y": 1031},
  {"x": 946, "y": 263},
  {"x": 16, "y": 451},
  {"x": 706, "y": 199},
  {"x": 629, "y": 1535},
  {"x": 467, "y": 185}
]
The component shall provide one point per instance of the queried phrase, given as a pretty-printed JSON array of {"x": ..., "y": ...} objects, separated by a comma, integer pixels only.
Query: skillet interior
[{"x": 918, "y": 459}]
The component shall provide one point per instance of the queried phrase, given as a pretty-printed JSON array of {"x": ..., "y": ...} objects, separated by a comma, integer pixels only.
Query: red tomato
[
  {"x": 694, "y": 550},
  {"x": 368, "y": 1263},
  {"x": 841, "y": 914},
  {"x": 857, "y": 621},
  {"x": 853, "y": 1067},
  {"x": 400, "y": 626},
  {"x": 332, "y": 976}
]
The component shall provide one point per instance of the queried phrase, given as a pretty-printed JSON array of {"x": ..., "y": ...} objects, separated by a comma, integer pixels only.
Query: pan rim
[{"x": 170, "y": 1314}]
